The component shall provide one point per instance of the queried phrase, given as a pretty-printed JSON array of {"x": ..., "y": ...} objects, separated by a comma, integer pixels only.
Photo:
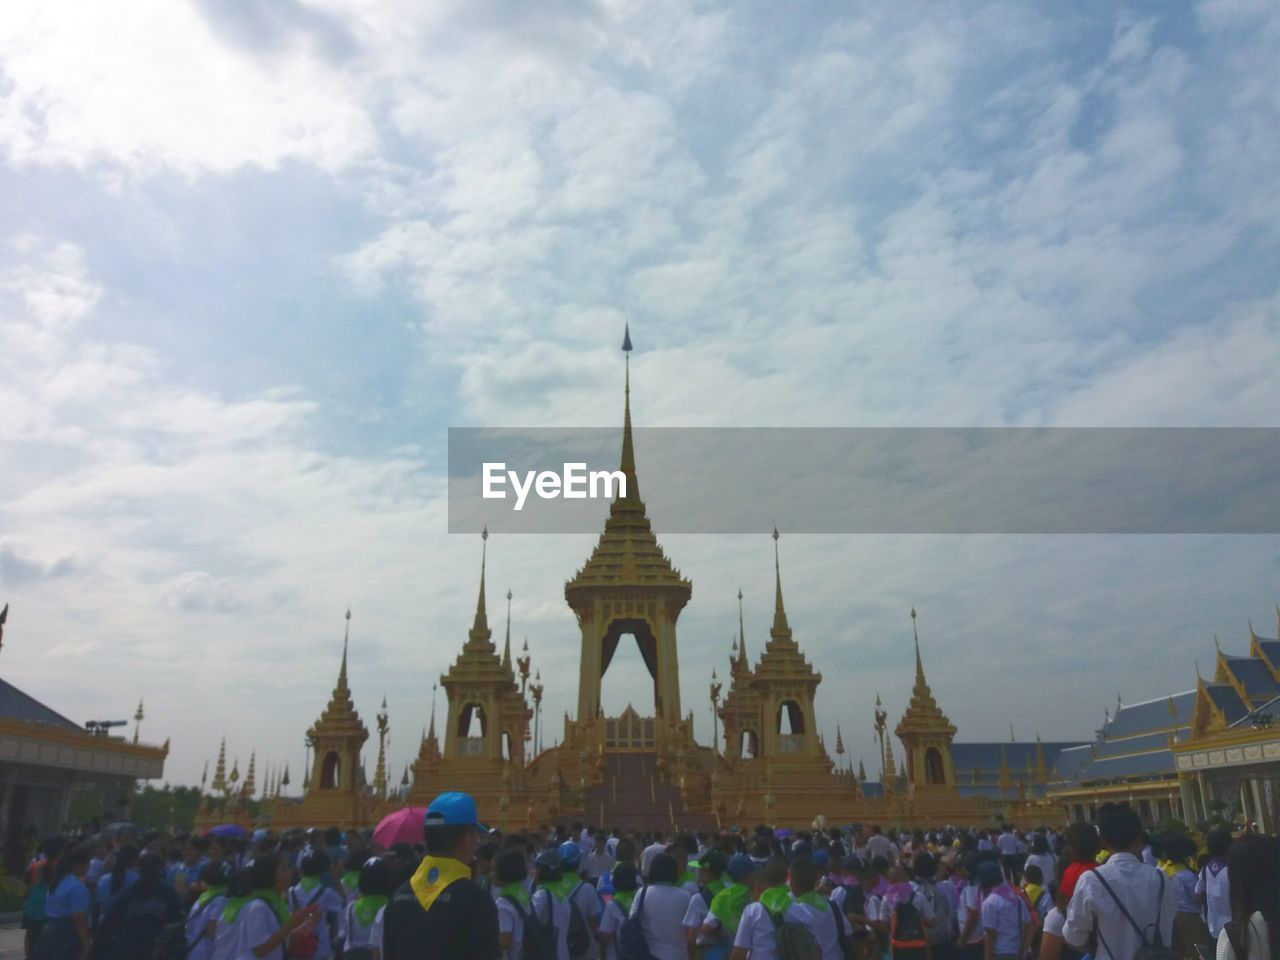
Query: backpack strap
[{"x": 1128, "y": 916}]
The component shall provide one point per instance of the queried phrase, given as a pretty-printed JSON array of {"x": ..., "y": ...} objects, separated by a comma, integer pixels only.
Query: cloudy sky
[{"x": 257, "y": 256}]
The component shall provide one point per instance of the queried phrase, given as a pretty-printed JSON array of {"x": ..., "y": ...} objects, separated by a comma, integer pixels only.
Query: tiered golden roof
[
  {"x": 340, "y": 718},
  {"x": 782, "y": 658},
  {"x": 923, "y": 715}
]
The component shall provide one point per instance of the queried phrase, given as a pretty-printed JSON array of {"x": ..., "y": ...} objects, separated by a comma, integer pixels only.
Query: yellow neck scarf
[{"x": 435, "y": 874}]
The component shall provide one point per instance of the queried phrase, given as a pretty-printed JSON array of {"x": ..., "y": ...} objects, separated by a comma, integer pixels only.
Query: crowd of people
[{"x": 1108, "y": 891}]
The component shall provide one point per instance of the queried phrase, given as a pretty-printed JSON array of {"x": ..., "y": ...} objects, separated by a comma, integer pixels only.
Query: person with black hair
[
  {"x": 442, "y": 913},
  {"x": 66, "y": 934},
  {"x": 361, "y": 914},
  {"x": 202, "y": 918},
  {"x": 256, "y": 922},
  {"x": 136, "y": 917},
  {"x": 122, "y": 875},
  {"x": 1213, "y": 886},
  {"x": 1126, "y": 903},
  {"x": 349, "y": 882},
  {"x": 665, "y": 905},
  {"x": 547, "y": 903},
  {"x": 511, "y": 870},
  {"x": 312, "y": 891},
  {"x": 626, "y": 880},
  {"x": 1253, "y": 932},
  {"x": 813, "y": 911},
  {"x": 941, "y": 932}
]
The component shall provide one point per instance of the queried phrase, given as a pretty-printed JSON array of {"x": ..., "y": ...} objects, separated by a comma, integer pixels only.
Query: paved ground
[{"x": 11, "y": 943}]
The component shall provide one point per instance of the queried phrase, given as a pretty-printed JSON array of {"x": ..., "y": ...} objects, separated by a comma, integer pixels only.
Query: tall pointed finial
[
  {"x": 628, "y": 459},
  {"x": 431, "y": 734},
  {"x": 742, "y": 635},
  {"x": 220, "y": 771},
  {"x": 204, "y": 777},
  {"x": 1012, "y": 738},
  {"x": 781, "y": 629},
  {"x": 137, "y": 717},
  {"x": 920, "y": 681},
  {"x": 506, "y": 649},
  {"x": 342, "y": 670}
]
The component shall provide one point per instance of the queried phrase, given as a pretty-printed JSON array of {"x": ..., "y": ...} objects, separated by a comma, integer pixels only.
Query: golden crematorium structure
[{"x": 769, "y": 766}]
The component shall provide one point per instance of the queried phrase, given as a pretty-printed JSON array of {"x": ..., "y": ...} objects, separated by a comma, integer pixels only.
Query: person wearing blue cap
[{"x": 442, "y": 913}]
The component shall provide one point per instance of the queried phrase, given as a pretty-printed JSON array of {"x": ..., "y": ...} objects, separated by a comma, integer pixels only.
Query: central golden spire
[
  {"x": 781, "y": 629},
  {"x": 628, "y": 459},
  {"x": 480, "y": 632}
]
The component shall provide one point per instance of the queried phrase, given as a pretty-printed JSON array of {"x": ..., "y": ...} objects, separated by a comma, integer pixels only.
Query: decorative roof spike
[
  {"x": 342, "y": 671},
  {"x": 138, "y": 718},
  {"x": 284, "y": 781},
  {"x": 250, "y": 785},
  {"x": 431, "y": 733},
  {"x": 862, "y": 771},
  {"x": 220, "y": 771},
  {"x": 839, "y": 740},
  {"x": 204, "y": 777},
  {"x": 480, "y": 626},
  {"x": 742, "y": 635},
  {"x": 781, "y": 629},
  {"x": 506, "y": 649},
  {"x": 1012, "y": 738},
  {"x": 628, "y": 460}
]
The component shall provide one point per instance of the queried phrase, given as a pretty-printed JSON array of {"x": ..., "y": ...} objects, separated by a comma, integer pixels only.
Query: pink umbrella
[{"x": 403, "y": 826}]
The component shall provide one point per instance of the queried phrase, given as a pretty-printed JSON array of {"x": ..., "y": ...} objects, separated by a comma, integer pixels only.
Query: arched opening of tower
[
  {"x": 628, "y": 652},
  {"x": 749, "y": 746},
  {"x": 471, "y": 729},
  {"x": 790, "y": 726},
  {"x": 330, "y": 771},
  {"x": 933, "y": 769}
]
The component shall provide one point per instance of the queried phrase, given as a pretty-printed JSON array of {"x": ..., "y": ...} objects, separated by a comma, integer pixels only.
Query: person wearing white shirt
[
  {"x": 756, "y": 938},
  {"x": 202, "y": 921},
  {"x": 1041, "y": 857},
  {"x": 512, "y": 900},
  {"x": 549, "y": 907},
  {"x": 256, "y": 923},
  {"x": 651, "y": 851},
  {"x": 1213, "y": 888},
  {"x": 369, "y": 899},
  {"x": 1254, "y": 863},
  {"x": 625, "y": 882},
  {"x": 814, "y": 911},
  {"x": 662, "y": 906},
  {"x": 1010, "y": 860},
  {"x": 310, "y": 891},
  {"x": 878, "y": 845},
  {"x": 1123, "y": 885}
]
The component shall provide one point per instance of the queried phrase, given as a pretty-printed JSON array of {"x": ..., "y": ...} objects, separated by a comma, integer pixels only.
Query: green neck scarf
[
  {"x": 517, "y": 893},
  {"x": 776, "y": 899},
  {"x": 624, "y": 899},
  {"x": 307, "y": 884},
  {"x": 564, "y": 886},
  {"x": 351, "y": 879},
  {"x": 687, "y": 877},
  {"x": 728, "y": 904},
  {"x": 366, "y": 909},
  {"x": 815, "y": 900},
  {"x": 269, "y": 897},
  {"x": 209, "y": 894}
]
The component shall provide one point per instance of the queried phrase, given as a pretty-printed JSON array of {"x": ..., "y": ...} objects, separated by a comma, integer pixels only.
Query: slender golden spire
[
  {"x": 506, "y": 649},
  {"x": 628, "y": 461},
  {"x": 480, "y": 627},
  {"x": 342, "y": 671},
  {"x": 249, "y": 783},
  {"x": 742, "y": 636},
  {"x": 920, "y": 681},
  {"x": 781, "y": 629},
  {"x": 431, "y": 733}
]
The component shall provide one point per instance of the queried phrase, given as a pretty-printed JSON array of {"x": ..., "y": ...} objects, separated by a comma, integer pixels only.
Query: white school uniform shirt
[
  {"x": 646, "y": 858},
  {"x": 354, "y": 935},
  {"x": 510, "y": 921},
  {"x": 1259, "y": 942},
  {"x": 255, "y": 923},
  {"x": 1007, "y": 918},
  {"x": 1048, "y": 865},
  {"x": 971, "y": 901},
  {"x": 590, "y": 905},
  {"x": 611, "y": 923},
  {"x": 822, "y": 924},
  {"x": 695, "y": 916},
  {"x": 1138, "y": 886},
  {"x": 1216, "y": 890},
  {"x": 663, "y": 922},
  {"x": 1007, "y": 843},
  {"x": 330, "y": 902},
  {"x": 1053, "y": 921},
  {"x": 375, "y": 932},
  {"x": 757, "y": 933},
  {"x": 922, "y": 905},
  {"x": 548, "y": 906},
  {"x": 197, "y": 921}
]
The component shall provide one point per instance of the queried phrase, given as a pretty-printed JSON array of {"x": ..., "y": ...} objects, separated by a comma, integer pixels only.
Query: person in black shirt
[{"x": 441, "y": 913}]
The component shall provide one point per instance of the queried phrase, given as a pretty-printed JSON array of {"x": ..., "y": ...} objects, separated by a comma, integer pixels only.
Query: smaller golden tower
[{"x": 926, "y": 733}]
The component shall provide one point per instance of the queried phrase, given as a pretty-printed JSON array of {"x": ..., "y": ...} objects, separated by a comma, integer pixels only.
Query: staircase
[{"x": 632, "y": 797}]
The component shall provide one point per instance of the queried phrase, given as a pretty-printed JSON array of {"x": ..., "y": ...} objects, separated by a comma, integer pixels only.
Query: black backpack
[
  {"x": 579, "y": 939},
  {"x": 906, "y": 929},
  {"x": 795, "y": 940},
  {"x": 1154, "y": 949},
  {"x": 632, "y": 944},
  {"x": 171, "y": 942},
  {"x": 842, "y": 932},
  {"x": 539, "y": 935}
]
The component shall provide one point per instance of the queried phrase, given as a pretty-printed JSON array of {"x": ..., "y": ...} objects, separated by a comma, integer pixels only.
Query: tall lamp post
[
  {"x": 882, "y": 718},
  {"x": 536, "y": 689}
]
